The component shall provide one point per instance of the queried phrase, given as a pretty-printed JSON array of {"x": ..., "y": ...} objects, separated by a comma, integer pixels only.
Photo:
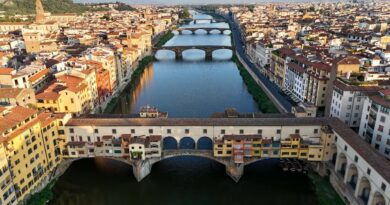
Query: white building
[
  {"x": 348, "y": 101},
  {"x": 375, "y": 123}
]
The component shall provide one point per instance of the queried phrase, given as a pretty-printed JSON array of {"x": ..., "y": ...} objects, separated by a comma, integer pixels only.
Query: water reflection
[
  {"x": 181, "y": 180},
  {"x": 190, "y": 89}
]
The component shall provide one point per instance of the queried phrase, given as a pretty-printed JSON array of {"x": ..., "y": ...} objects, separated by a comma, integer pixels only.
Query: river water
[{"x": 189, "y": 88}]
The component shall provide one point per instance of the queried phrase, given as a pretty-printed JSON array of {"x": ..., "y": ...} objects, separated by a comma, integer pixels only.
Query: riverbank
[
  {"x": 261, "y": 98},
  {"x": 146, "y": 61},
  {"x": 164, "y": 39},
  {"x": 42, "y": 197},
  {"x": 326, "y": 194}
]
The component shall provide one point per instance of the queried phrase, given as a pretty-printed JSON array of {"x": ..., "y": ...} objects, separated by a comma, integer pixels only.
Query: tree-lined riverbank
[{"x": 261, "y": 98}]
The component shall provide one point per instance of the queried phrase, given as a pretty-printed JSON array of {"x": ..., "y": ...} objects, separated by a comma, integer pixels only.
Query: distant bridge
[
  {"x": 207, "y": 29},
  {"x": 179, "y": 50},
  {"x": 207, "y": 19}
]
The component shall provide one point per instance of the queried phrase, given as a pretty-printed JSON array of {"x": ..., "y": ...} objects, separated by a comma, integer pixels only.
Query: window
[
  {"x": 380, "y": 128},
  {"x": 204, "y": 131},
  {"x": 113, "y": 131},
  {"x": 241, "y": 131},
  {"x": 187, "y": 131},
  {"x": 383, "y": 186},
  {"x": 150, "y": 131},
  {"x": 80, "y": 138},
  {"x": 278, "y": 131},
  {"x": 368, "y": 171},
  {"x": 96, "y": 131},
  {"x": 315, "y": 131},
  {"x": 169, "y": 131},
  {"x": 356, "y": 159},
  {"x": 388, "y": 142},
  {"x": 378, "y": 138},
  {"x": 260, "y": 132},
  {"x": 297, "y": 131},
  {"x": 383, "y": 119},
  {"x": 71, "y": 130},
  {"x": 345, "y": 148},
  {"x": 132, "y": 131},
  {"x": 222, "y": 131}
]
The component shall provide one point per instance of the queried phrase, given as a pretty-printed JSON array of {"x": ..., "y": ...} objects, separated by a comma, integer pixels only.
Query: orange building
[{"x": 103, "y": 84}]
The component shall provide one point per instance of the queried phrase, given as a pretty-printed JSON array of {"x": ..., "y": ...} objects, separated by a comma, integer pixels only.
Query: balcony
[
  {"x": 372, "y": 115},
  {"x": 371, "y": 125}
]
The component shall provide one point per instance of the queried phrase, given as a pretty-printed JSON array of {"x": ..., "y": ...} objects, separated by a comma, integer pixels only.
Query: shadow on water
[{"x": 180, "y": 180}]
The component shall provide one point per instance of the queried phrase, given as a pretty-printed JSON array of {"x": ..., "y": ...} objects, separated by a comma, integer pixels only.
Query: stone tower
[{"x": 40, "y": 17}]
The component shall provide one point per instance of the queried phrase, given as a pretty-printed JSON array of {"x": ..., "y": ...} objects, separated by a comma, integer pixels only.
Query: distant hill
[{"x": 13, "y": 7}]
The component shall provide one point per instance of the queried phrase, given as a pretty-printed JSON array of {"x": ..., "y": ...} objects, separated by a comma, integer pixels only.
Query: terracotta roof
[
  {"x": 377, "y": 161},
  {"x": 39, "y": 75},
  {"x": 5, "y": 71},
  {"x": 296, "y": 67},
  {"x": 380, "y": 100},
  {"x": 123, "y": 120},
  {"x": 346, "y": 87},
  {"x": 10, "y": 92},
  {"x": 349, "y": 60}
]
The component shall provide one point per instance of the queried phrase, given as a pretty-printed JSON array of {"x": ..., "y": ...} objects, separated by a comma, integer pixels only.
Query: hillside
[{"x": 28, "y": 6}]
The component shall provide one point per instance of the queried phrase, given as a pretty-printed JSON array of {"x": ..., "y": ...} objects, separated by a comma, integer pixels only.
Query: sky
[{"x": 187, "y": 1}]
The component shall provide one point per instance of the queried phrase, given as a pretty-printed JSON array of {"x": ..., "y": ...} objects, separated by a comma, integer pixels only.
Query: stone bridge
[
  {"x": 142, "y": 168},
  {"x": 209, "y": 49},
  {"x": 207, "y": 29},
  {"x": 205, "y": 19}
]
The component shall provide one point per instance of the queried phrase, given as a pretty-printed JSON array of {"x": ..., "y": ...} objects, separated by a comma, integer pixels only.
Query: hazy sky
[{"x": 187, "y": 1}]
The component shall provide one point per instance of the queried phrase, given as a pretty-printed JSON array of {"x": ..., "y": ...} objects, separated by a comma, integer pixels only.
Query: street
[{"x": 240, "y": 48}]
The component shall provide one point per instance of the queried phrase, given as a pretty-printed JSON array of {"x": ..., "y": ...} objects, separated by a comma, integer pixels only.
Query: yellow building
[
  {"x": 7, "y": 190},
  {"x": 348, "y": 65},
  {"x": 66, "y": 94},
  {"x": 241, "y": 148},
  {"x": 31, "y": 141}
]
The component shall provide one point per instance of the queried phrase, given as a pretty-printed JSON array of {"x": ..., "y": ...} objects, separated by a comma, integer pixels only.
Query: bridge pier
[
  {"x": 235, "y": 171},
  {"x": 141, "y": 169},
  {"x": 209, "y": 55},
  {"x": 179, "y": 55}
]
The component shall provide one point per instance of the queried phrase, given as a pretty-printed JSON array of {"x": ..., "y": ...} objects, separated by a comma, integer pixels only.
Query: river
[
  {"x": 191, "y": 87},
  {"x": 188, "y": 88}
]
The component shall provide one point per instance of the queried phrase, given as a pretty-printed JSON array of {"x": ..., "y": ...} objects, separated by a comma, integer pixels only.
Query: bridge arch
[
  {"x": 204, "y": 143},
  {"x": 216, "y": 31},
  {"x": 186, "y": 32},
  {"x": 364, "y": 189},
  {"x": 222, "y": 54},
  {"x": 341, "y": 164},
  {"x": 165, "y": 54},
  {"x": 187, "y": 143},
  {"x": 200, "y": 32},
  {"x": 169, "y": 143},
  {"x": 378, "y": 199},
  {"x": 352, "y": 176},
  {"x": 193, "y": 54}
]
